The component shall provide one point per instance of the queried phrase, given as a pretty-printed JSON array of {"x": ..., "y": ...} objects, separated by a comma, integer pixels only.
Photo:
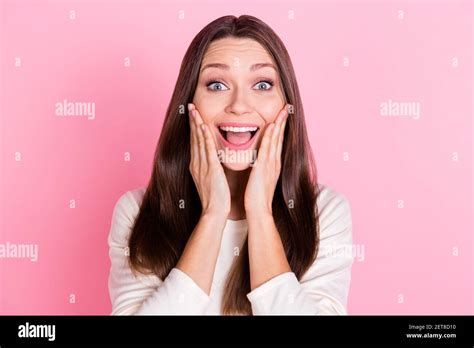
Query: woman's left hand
[{"x": 266, "y": 169}]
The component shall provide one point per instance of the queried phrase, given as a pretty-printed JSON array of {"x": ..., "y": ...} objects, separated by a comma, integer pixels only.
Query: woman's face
[{"x": 238, "y": 94}]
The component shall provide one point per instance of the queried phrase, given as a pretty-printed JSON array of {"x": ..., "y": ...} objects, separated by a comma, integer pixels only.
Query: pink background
[{"x": 408, "y": 252}]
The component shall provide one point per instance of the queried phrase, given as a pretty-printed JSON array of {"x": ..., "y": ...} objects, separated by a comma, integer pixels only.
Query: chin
[{"x": 237, "y": 167}]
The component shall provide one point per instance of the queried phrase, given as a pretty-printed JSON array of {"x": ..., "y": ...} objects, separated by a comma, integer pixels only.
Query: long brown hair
[{"x": 171, "y": 206}]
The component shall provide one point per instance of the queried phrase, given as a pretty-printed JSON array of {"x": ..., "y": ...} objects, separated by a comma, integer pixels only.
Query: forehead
[{"x": 245, "y": 49}]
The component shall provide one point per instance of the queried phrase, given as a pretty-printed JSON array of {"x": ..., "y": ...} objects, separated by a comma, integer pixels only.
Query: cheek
[
  {"x": 269, "y": 110},
  {"x": 207, "y": 107}
]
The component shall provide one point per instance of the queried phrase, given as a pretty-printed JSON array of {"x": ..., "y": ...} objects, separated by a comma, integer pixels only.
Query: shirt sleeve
[
  {"x": 324, "y": 287},
  {"x": 145, "y": 294}
]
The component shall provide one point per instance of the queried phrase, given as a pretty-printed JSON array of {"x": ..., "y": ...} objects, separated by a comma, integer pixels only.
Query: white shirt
[{"x": 323, "y": 289}]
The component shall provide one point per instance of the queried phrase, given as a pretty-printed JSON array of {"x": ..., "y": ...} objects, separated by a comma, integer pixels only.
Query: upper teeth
[{"x": 238, "y": 129}]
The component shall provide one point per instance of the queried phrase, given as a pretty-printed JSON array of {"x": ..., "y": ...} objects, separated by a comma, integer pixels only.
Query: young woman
[{"x": 233, "y": 220}]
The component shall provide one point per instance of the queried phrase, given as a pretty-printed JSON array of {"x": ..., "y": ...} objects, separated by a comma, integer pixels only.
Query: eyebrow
[{"x": 226, "y": 67}]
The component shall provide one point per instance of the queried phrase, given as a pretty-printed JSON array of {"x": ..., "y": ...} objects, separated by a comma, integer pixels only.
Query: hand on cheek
[
  {"x": 206, "y": 170},
  {"x": 266, "y": 169}
]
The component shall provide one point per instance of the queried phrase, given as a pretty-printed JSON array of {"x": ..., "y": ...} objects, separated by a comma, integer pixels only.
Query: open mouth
[{"x": 238, "y": 136}]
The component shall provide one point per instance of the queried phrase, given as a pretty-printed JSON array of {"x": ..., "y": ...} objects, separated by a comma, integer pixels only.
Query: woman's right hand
[{"x": 206, "y": 169}]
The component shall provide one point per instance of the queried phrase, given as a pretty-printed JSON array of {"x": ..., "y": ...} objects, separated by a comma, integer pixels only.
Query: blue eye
[
  {"x": 215, "y": 86},
  {"x": 261, "y": 83},
  {"x": 217, "y": 83}
]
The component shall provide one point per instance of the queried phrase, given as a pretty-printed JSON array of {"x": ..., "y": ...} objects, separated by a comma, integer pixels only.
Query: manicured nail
[{"x": 282, "y": 117}]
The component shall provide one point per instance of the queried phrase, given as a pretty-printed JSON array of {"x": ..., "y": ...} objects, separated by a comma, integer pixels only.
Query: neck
[{"x": 237, "y": 181}]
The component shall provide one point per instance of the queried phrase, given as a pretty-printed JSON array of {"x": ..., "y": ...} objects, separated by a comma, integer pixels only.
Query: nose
[{"x": 239, "y": 103}]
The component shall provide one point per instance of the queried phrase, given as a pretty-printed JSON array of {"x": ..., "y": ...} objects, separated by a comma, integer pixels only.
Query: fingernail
[
  {"x": 284, "y": 115},
  {"x": 193, "y": 113}
]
